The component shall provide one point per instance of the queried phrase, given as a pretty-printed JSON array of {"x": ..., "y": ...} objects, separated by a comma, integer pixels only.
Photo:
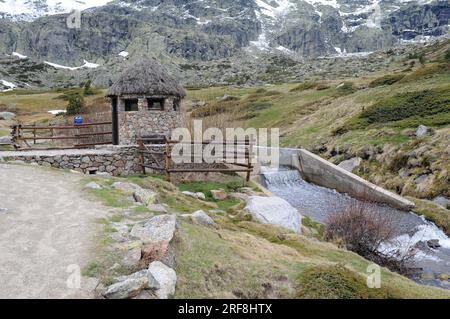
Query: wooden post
[
  {"x": 249, "y": 159},
  {"x": 141, "y": 157},
  {"x": 168, "y": 155},
  {"x": 34, "y": 133},
  {"x": 115, "y": 120}
]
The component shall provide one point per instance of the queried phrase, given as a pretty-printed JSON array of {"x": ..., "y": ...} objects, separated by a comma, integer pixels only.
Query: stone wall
[
  {"x": 132, "y": 124},
  {"x": 114, "y": 160},
  {"x": 144, "y": 121}
]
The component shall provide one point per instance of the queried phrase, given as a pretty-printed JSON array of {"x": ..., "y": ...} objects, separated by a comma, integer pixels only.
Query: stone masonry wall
[
  {"x": 132, "y": 124},
  {"x": 144, "y": 121},
  {"x": 115, "y": 160}
]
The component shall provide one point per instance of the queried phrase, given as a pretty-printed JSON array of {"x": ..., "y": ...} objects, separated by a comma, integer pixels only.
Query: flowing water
[{"x": 319, "y": 202}]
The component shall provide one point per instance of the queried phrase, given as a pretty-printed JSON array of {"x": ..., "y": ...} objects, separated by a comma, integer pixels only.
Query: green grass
[
  {"x": 336, "y": 282},
  {"x": 405, "y": 110},
  {"x": 112, "y": 197},
  {"x": 388, "y": 79}
]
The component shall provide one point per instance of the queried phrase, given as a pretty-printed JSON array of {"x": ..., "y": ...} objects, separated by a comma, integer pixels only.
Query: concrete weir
[{"x": 319, "y": 171}]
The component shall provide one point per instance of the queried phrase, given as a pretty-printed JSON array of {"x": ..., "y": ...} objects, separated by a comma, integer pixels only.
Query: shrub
[
  {"x": 345, "y": 88},
  {"x": 87, "y": 90},
  {"x": 76, "y": 104},
  {"x": 335, "y": 282},
  {"x": 447, "y": 55},
  {"x": 399, "y": 161},
  {"x": 363, "y": 230},
  {"x": 304, "y": 86},
  {"x": 386, "y": 80},
  {"x": 322, "y": 86}
]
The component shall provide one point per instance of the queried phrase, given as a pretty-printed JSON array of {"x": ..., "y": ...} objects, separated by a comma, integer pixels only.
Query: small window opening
[
  {"x": 155, "y": 104},
  {"x": 176, "y": 104},
  {"x": 131, "y": 105}
]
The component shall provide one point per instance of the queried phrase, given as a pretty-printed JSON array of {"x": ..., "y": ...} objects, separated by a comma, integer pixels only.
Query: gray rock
[
  {"x": 132, "y": 257},
  {"x": 239, "y": 196},
  {"x": 434, "y": 243},
  {"x": 274, "y": 211},
  {"x": 158, "y": 208},
  {"x": 198, "y": 195},
  {"x": 165, "y": 277},
  {"x": 442, "y": 201},
  {"x": 159, "y": 228},
  {"x": 145, "y": 196},
  {"x": 404, "y": 173},
  {"x": 133, "y": 285},
  {"x": 7, "y": 116},
  {"x": 128, "y": 188},
  {"x": 421, "y": 179},
  {"x": 421, "y": 131},
  {"x": 201, "y": 218},
  {"x": 5, "y": 140},
  {"x": 351, "y": 164},
  {"x": 93, "y": 185},
  {"x": 128, "y": 288}
]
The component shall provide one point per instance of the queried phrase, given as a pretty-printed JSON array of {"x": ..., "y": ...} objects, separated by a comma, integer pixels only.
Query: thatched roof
[{"x": 146, "y": 77}]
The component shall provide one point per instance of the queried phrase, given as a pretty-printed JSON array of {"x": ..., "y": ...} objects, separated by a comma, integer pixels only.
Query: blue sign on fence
[{"x": 78, "y": 120}]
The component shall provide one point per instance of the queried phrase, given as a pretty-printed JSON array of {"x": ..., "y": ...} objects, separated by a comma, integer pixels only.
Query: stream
[{"x": 319, "y": 202}]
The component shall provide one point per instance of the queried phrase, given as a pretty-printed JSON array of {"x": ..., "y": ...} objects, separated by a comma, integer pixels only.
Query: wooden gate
[{"x": 162, "y": 159}]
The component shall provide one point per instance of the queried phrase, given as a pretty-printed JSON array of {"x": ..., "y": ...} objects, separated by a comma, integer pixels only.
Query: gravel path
[{"x": 47, "y": 232}]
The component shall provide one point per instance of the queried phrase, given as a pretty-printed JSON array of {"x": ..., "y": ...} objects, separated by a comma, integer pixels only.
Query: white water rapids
[{"x": 319, "y": 202}]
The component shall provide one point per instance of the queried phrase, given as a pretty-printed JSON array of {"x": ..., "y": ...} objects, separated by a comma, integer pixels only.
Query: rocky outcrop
[{"x": 159, "y": 228}]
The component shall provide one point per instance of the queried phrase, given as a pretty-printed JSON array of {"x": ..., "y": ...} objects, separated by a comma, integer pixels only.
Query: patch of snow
[
  {"x": 8, "y": 84},
  {"x": 284, "y": 49},
  {"x": 29, "y": 10},
  {"x": 20, "y": 56},
  {"x": 124, "y": 54},
  {"x": 55, "y": 112},
  {"x": 86, "y": 64},
  {"x": 331, "y": 3}
]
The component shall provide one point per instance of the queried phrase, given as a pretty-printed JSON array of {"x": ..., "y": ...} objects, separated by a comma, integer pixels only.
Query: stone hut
[{"x": 145, "y": 100}]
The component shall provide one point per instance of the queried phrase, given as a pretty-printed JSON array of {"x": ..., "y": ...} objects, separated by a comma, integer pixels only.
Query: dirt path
[{"x": 46, "y": 233}]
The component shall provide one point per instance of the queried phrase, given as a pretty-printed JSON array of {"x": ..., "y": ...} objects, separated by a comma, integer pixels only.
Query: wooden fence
[
  {"x": 163, "y": 161},
  {"x": 30, "y": 137}
]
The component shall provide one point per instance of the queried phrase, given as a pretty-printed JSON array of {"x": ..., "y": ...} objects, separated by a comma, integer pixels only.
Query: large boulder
[
  {"x": 351, "y": 164},
  {"x": 274, "y": 211},
  {"x": 145, "y": 196},
  {"x": 165, "y": 277},
  {"x": 7, "y": 116},
  {"x": 159, "y": 228},
  {"x": 131, "y": 286}
]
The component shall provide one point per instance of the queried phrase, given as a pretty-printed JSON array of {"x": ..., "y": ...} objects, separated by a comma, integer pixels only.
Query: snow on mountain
[
  {"x": 29, "y": 10},
  {"x": 88, "y": 65}
]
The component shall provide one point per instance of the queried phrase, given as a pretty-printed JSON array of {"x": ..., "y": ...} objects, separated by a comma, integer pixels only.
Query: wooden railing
[
  {"x": 64, "y": 136},
  {"x": 163, "y": 161}
]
